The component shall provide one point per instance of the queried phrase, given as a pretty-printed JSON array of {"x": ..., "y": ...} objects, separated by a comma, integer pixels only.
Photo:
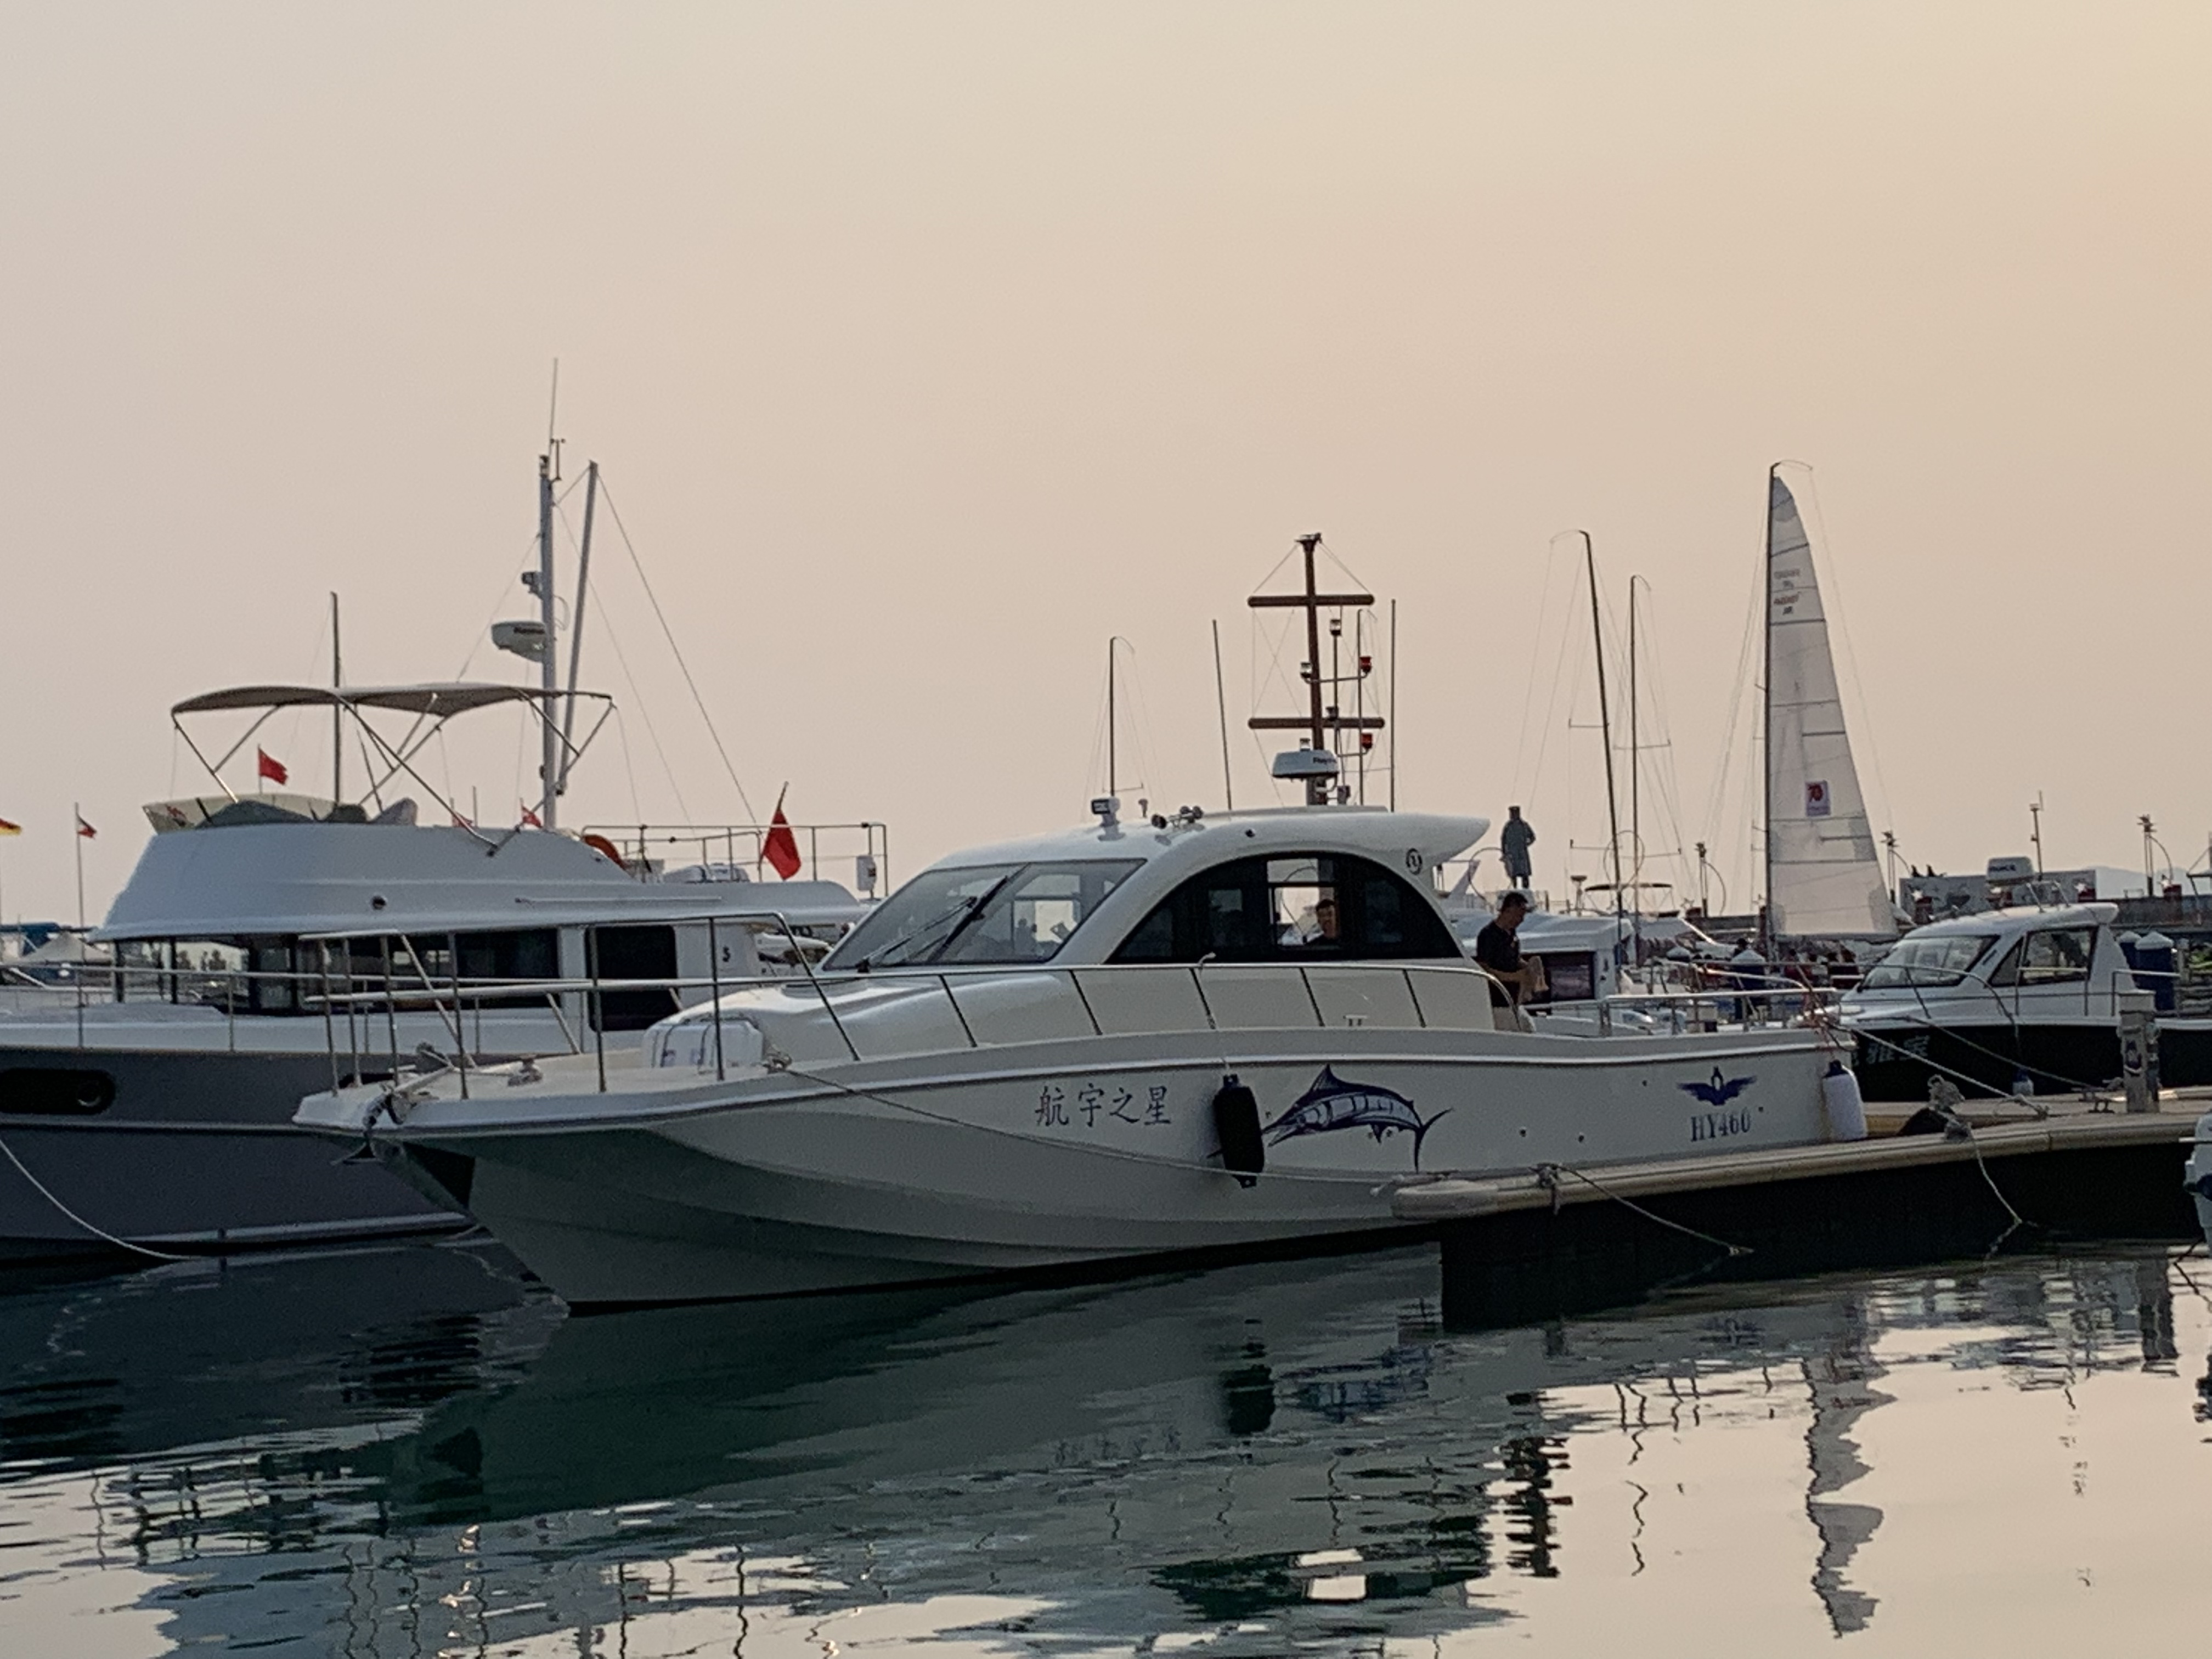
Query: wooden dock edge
[
  {"x": 1453, "y": 1198},
  {"x": 1536, "y": 1246}
]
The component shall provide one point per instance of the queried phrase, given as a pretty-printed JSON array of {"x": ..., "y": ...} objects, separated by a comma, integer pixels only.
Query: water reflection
[{"x": 413, "y": 1451}]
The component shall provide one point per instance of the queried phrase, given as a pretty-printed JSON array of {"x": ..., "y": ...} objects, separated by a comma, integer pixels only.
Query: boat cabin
[{"x": 1291, "y": 885}]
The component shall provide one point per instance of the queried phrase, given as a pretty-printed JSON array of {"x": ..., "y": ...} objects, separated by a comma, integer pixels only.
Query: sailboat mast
[
  {"x": 1604, "y": 718},
  {"x": 1767, "y": 725},
  {"x": 549, "y": 666},
  {"x": 1635, "y": 760}
]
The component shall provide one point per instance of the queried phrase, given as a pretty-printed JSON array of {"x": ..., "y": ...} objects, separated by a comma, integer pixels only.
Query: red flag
[
  {"x": 531, "y": 819},
  {"x": 84, "y": 829},
  {"x": 460, "y": 822},
  {"x": 270, "y": 767},
  {"x": 780, "y": 849}
]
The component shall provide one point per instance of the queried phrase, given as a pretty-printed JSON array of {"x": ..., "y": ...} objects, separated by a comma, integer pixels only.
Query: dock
[{"x": 1559, "y": 1240}]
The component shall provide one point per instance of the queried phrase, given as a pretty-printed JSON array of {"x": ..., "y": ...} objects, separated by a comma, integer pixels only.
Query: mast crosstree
[{"x": 1319, "y": 763}]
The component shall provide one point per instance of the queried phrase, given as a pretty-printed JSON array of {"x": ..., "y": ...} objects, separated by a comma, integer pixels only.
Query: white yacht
[
  {"x": 2027, "y": 999},
  {"x": 150, "y": 1100},
  {"x": 1196, "y": 1034}
]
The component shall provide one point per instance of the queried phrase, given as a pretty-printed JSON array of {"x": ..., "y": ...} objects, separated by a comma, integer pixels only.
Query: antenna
[
  {"x": 548, "y": 674},
  {"x": 1393, "y": 716},
  {"x": 1113, "y": 772},
  {"x": 2035, "y": 834},
  {"x": 552, "y": 419},
  {"x": 577, "y": 624},
  {"x": 1221, "y": 705},
  {"x": 338, "y": 714}
]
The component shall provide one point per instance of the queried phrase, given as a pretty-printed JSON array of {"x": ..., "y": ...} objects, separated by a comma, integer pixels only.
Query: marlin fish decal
[
  {"x": 1333, "y": 1103},
  {"x": 1719, "y": 1091}
]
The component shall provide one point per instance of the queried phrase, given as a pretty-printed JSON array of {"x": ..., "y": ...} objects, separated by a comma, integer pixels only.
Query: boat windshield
[
  {"x": 981, "y": 915},
  {"x": 1942, "y": 960}
]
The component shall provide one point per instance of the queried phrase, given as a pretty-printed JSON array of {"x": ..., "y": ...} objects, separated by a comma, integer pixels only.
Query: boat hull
[
  {"x": 195, "y": 1150},
  {"x": 1067, "y": 1156},
  {"x": 1898, "y": 1062}
]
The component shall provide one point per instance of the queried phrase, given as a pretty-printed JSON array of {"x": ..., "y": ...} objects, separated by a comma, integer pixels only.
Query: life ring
[{"x": 600, "y": 843}]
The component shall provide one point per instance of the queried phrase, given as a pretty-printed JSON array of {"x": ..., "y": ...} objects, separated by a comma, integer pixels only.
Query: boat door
[{"x": 2045, "y": 975}]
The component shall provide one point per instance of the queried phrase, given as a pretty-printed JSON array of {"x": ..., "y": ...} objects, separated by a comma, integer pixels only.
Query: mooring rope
[
  {"x": 1547, "y": 1177},
  {"x": 46, "y": 1193}
]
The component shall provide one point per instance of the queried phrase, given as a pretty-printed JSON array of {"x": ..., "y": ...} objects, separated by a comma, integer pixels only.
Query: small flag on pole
[
  {"x": 268, "y": 766},
  {"x": 84, "y": 829},
  {"x": 8, "y": 829},
  {"x": 780, "y": 849},
  {"x": 530, "y": 820},
  {"x": 460, "y": 822}
]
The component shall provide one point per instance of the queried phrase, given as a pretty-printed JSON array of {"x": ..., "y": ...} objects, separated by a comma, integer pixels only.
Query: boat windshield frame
[
  {"x": 1891, "y": 975},
  {"x": 953, "y": 915}
]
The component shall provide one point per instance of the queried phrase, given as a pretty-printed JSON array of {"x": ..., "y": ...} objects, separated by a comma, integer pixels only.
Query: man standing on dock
[
  {"x": 1514, "y": 840},
  {"x": 1497, "y": 948}
]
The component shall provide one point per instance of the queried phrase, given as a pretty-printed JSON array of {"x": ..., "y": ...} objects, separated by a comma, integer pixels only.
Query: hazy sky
[{"x": 927, "y": 346}]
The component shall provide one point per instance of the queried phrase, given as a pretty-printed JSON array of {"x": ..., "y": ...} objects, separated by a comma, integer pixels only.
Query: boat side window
[
  {"x": 1315, "y": 907},
  {"x": 517, "y": 953},
  {"x": 142, "y": 970},
  {"x": 206, "y": 971},
  {"x": 2055, "y": 956},
  {"x": 633, "y": 953},
  {"x": 273, "y": 988}
]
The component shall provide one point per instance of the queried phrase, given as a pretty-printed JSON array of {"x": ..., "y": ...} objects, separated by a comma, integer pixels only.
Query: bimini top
[{"x": 459, "y": 697}]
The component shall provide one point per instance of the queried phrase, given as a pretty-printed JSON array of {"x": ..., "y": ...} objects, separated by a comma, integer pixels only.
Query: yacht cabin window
[
  {"x": 1941, "y": 960},
  {"x": 1311, "y": 907},
  {"x": 278, "y": 975},
  {"x": 2051, "y": 956},
  {"x": 983, "y": 915},
  {"x": 630, "y": 953}
]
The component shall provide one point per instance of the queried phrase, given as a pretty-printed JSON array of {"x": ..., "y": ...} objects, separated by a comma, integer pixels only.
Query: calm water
[{"x": 410, "y": 1451}]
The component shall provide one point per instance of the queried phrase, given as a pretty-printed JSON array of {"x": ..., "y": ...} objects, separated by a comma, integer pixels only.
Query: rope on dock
[
  {"x": 1547, "y": 1177},
  {"x": 97, "y": 1232}
]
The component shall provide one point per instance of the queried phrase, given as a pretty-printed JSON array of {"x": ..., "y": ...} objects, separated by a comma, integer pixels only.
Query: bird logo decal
[
  {"x": 1333, "y": 1103},
  {"x": 1716, "y": 1092}
]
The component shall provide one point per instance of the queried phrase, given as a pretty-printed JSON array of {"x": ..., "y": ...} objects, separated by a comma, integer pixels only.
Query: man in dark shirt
[{"x": 1498, "y": 948}]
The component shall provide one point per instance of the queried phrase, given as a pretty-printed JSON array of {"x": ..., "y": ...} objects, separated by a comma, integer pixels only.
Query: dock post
[{"x": 2138, "y": 1015}]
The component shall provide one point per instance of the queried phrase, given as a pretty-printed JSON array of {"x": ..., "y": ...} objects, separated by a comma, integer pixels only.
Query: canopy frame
[{"x": 431, "y": 705}]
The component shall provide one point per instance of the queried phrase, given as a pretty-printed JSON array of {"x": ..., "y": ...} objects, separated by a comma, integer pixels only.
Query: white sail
[{"x": 1823, "y": 875}]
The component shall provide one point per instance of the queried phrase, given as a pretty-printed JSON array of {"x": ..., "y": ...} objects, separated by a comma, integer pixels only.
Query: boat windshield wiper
[
  {"x": 975, "y": 910},
  {"x": 960, "y": 914}
]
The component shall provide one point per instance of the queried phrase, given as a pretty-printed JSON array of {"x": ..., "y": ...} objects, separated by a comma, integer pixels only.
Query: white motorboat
[
  {"x": 2027, "y": 999},
  {"x": 1196, "y": 1034}
]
